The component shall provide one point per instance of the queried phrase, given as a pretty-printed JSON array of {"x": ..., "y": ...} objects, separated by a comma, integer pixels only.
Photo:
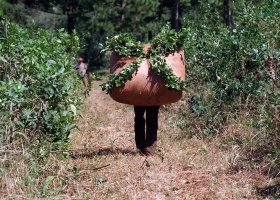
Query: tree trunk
[
  {"x": 123, "y": 4},
  {"x": 228, "y": 16},
  {"x": 70, "y": 20},
  {"x": 176, "y": 23}
]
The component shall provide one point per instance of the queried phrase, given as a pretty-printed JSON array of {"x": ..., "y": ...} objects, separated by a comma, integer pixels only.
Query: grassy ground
[
  {"x": 103, "y": 162},
  {"x": 106, "y": 164}
]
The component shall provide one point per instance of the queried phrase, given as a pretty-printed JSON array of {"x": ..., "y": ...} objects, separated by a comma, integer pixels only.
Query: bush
[
  {"x": 38, "y": 86},
  {"x": 232, "y": 72}
]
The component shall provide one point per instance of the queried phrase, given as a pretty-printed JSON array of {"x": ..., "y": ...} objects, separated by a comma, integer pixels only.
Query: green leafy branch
[
  {"x": 164, "y": 71},
  {"x": 166, "y": 42},
  {"x": 124, "y": 44},
  {"x": 117, "y": 80}
]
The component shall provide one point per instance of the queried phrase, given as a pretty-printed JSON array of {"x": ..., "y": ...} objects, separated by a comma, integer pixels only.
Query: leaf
[
  {"x": 49, "y": 179},
  {"x": 17, "y": 133},
  {"x": 73, "y": 109},
  {"x": 51, "y": 62},
  {"x": 3, "y": 59},
  {"x": 61, "y": 71}
]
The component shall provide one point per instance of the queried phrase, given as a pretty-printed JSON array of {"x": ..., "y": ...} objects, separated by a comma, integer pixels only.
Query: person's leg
[
  {"x": 84, "y": 79},
  {"x": 139, "y": 127},
  {"x": 151, "y": 128}
]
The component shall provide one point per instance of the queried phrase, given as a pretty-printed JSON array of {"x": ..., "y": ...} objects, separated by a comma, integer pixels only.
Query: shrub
[
  {"x": 38, "y": 87},
  {"x": 232, "y": 72}
]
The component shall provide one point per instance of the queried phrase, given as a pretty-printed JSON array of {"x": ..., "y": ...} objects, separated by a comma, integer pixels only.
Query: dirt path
[{"x": 107, "y": 166}]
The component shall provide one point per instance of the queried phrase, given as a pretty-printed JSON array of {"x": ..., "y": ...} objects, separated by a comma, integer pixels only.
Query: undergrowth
[{"x": 232, "y": 77}]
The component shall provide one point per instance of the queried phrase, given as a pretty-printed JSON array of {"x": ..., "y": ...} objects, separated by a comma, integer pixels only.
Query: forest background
[{"x": 231, "y": 51}]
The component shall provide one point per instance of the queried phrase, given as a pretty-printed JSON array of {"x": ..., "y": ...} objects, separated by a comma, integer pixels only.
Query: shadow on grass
[
  {"x": 100, "y": 152},
  {"x": 270, "y": 191}
]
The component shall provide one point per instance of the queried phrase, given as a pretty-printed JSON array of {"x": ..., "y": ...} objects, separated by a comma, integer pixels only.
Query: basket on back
[{"x": 146, "y": 88}]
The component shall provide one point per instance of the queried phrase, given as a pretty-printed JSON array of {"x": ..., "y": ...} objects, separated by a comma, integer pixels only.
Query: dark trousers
[{"x": 146, "y": 138}]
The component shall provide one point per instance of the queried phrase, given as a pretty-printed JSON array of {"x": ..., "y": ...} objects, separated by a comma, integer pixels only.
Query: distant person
[
  {"x": 146, "y": 129},
  {"x": 82, "y": 69}
]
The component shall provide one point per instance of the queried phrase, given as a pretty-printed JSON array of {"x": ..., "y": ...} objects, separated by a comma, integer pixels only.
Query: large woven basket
[{"x": 146, "y": 88}]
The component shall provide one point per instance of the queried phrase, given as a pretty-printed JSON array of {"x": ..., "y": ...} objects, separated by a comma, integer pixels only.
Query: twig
[
  {"x": 71, "y": 150},
  {"x": 97, "y": 168}
]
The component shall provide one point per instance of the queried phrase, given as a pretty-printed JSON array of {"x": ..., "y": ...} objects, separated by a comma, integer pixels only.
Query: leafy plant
[
  {"x": 167, "y": 41},
  {"x": 124, "y": 44},
  {"x": 232, "y": 75},
  {"x": 38, "y": 87}
]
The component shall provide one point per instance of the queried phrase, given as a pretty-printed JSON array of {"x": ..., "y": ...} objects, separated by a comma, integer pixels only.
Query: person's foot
[
  {"x": 150, "y": 150},
  {"x": 147, "y": 151},
  {"x": 143, "y": 151}
]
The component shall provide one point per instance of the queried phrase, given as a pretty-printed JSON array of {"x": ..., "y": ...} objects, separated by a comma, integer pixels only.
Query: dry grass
[
  {"x": 181, "y": 169},
  {"x": 103, "y": 162}
]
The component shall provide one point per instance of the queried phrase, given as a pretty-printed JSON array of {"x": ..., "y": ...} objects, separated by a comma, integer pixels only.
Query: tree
[
  {"x": 170, "y": 10},
  {"x": 109, "y": 18},
  {"x": 94, "y": 21},
  {"x": 227, "y": 13}
]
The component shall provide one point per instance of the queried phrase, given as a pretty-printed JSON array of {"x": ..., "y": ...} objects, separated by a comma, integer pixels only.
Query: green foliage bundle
[
  {"x": 166, "y": 42},
  {"x": 121, "y": 78},
  {"x": 124, "y": 44},
  {"x": 38, "y": 87}
]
